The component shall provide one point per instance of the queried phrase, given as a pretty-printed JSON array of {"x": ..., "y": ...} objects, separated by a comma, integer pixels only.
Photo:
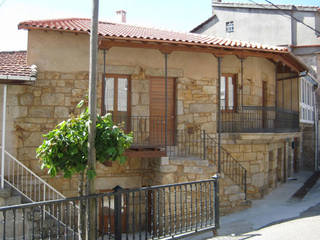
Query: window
[
  {"x": 229, "y": 26},
  {"x": 115, "y": 97},
  {"x": 228, "y": 94},
  {"x": 306, "y": 101}
]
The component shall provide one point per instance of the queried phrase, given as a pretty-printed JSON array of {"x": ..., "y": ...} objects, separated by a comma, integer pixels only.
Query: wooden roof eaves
[{"x": 215, "y": 50}]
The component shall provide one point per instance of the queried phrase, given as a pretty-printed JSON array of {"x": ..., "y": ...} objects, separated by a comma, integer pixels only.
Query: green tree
[{"x": 65, "y": 149}]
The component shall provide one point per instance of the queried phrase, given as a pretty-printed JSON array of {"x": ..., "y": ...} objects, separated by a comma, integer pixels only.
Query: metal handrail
[
  {"x": 237, "y": 174},
  {"x": 26, "y": 182}
]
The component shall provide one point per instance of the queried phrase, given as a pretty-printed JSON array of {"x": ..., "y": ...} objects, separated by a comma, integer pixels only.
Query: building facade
[{"x": 164, "y": 87}]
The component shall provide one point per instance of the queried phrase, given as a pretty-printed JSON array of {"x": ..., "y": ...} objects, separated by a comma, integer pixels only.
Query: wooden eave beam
[{"x": 168, "y": 47}]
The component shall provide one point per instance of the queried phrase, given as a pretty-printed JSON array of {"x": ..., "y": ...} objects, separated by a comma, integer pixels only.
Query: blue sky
[{"x": 178, "y": 15}]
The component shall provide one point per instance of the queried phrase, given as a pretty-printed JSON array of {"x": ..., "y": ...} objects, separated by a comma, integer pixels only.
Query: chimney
[{"x": 121, "y": 16}]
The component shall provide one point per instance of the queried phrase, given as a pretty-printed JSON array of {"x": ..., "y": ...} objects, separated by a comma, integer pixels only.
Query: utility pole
[{"x": 90, "y": 233}]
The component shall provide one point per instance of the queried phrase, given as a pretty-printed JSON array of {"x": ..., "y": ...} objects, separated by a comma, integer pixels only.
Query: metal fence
[
  {"x": 259, "y": 119},
  {"x": 156, "y": 212}
]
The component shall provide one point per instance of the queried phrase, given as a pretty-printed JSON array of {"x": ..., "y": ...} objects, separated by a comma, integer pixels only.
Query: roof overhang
[
  {"x": 17, "y": 80},
  {"x": 285, "y": 58}
]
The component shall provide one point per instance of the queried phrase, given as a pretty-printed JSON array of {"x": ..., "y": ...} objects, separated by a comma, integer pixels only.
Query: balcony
[{"x": 258, "y": 119}]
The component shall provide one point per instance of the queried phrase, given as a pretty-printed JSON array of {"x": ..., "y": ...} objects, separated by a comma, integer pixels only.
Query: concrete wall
[{"x": 263, "y": 25}]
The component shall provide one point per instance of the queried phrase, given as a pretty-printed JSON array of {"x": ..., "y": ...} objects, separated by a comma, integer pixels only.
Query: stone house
[
  {"x": 164, "y": 87},
  {"x": 297, "y": 27}
]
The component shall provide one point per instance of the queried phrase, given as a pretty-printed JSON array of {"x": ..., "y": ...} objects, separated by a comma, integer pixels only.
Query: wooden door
[
  {"x": 157, "y": 111},
  {"x": 264, "y": 104}
]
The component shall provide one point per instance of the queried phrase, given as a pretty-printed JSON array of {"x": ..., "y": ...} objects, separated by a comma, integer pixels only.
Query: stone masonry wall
[{"x": 268, "y": 161}]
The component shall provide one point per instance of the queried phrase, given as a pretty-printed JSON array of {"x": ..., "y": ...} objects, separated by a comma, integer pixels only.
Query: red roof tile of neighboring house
[
  {"x": 125, "y": 31},
  {"x": 13, "y": 66}
]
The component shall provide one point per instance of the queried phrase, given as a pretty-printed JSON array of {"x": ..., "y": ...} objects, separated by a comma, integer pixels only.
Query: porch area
[{"x": 259, "y": 119}]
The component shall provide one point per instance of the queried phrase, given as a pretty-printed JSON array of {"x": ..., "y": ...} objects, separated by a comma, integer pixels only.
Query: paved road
[{"x": 304, "y": 227}]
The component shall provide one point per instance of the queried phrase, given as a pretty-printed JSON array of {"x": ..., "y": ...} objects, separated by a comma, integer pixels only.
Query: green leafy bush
[{"x": 65, "y": 148}]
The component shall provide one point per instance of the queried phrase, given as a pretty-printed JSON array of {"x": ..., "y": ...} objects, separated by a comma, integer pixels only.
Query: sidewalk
[{"x": 275, "y": 207}]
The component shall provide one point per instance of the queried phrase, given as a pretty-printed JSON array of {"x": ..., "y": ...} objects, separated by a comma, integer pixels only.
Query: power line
[
  {"x": 291, "y": 16},
  {"x": 286, "y": 14}
]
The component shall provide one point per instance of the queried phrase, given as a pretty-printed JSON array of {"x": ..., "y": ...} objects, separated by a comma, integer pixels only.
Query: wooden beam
[{"x": 169, "y": 47}]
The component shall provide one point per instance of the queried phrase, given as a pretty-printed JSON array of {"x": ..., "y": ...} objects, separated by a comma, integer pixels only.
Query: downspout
[
  {"x": 166, "y": 98},
  {"x": 219, "y": 114},
  {"x": 104, "y": 110},
  {"x": 4, "y": 111}
]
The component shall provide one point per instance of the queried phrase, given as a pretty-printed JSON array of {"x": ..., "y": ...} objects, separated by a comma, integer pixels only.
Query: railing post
[
  {"x": 216, "y": 201},
  {"x": 4, "y": 111},
  {"x": 117, "y": 213},
  {"x": 204, "y": 144},
  {"x": 245, "y": 184}
]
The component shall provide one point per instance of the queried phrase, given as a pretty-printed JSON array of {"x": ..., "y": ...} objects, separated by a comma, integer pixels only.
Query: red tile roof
[
  {"x": 15, "y": 64},
  {"x": 131, "y": 32}
]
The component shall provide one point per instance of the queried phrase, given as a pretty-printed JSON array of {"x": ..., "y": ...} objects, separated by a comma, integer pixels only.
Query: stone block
[
  {"x": 61, "y": 112},
  {"x": 246, "y": 148},
  {"x": 250, "y": 156},
  {"x": 196, "y": 170},
  {"x": 231, "y": 189},
  {"x": 40, "y": 111},
  {"x": 52, "y": 99},
  {"x": 34, "y": 139},
  {"x": 164, "y": 161},
  {"x": 83, "y": 84},
  {"x": 144, "y": 98},
  {"x": 198, "y": 107},
  {"x": 12, "y": 100},
  {"x": 26, "y": 99},
  {"x": 258, "y": 179},
  {"x": 258, "y": 148},
  {"x": 168, "y": 168},
  {"x": 17, "y": 111}
]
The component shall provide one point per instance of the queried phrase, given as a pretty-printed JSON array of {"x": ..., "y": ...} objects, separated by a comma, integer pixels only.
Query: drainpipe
[
  {"x": 219, "y": 114},
  {"x": 166, "y": 98},
  {"x": 104, "y": 110},
  {"x": 4, "y": 108}
]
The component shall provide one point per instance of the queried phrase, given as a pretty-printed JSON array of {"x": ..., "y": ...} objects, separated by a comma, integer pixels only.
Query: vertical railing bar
[
  {"x": 170, "y": 212},
  {"x": 4, "y": 225},
  {"x": 196, "y": 207},
  {"x": 186, "y": 206},
  {"x": 152, "y": 215},
  {"x": 74, "y": 220},
  {"x": 158, "y": 213},
  {"x": 133, "y": 217},
  {"x": 201, "y": 205},
  {"x": 14, "y": 223},
  {"x": 109, "y": 217},
  {"x": 127, "y": 214},
  {"x": 175, "y": 210},
  {"x": 96, "y": 217},
  {"x": 23, "y": 224},
  {"x": 102, "y": 217},
  {"x": 181, "y": 209},
  {"x": 164, "y": 211},
  {"x": 146, "y": 202},
  {"x": 191, "y": 212},
  {"x": 140, "y": 216}
]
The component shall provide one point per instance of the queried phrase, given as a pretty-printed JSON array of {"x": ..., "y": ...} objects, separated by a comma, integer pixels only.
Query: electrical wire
[{"x": 291, "y": 16}]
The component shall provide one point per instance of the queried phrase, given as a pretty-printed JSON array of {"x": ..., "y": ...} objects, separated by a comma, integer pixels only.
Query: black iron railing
[
  {"x": 229, "y": 165},
  {"x": 155, "y": 212},
  {"x": 147, "y": 131},
  {"x": 259, "y": 119},
  {"x": 198, "y": 144}
]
